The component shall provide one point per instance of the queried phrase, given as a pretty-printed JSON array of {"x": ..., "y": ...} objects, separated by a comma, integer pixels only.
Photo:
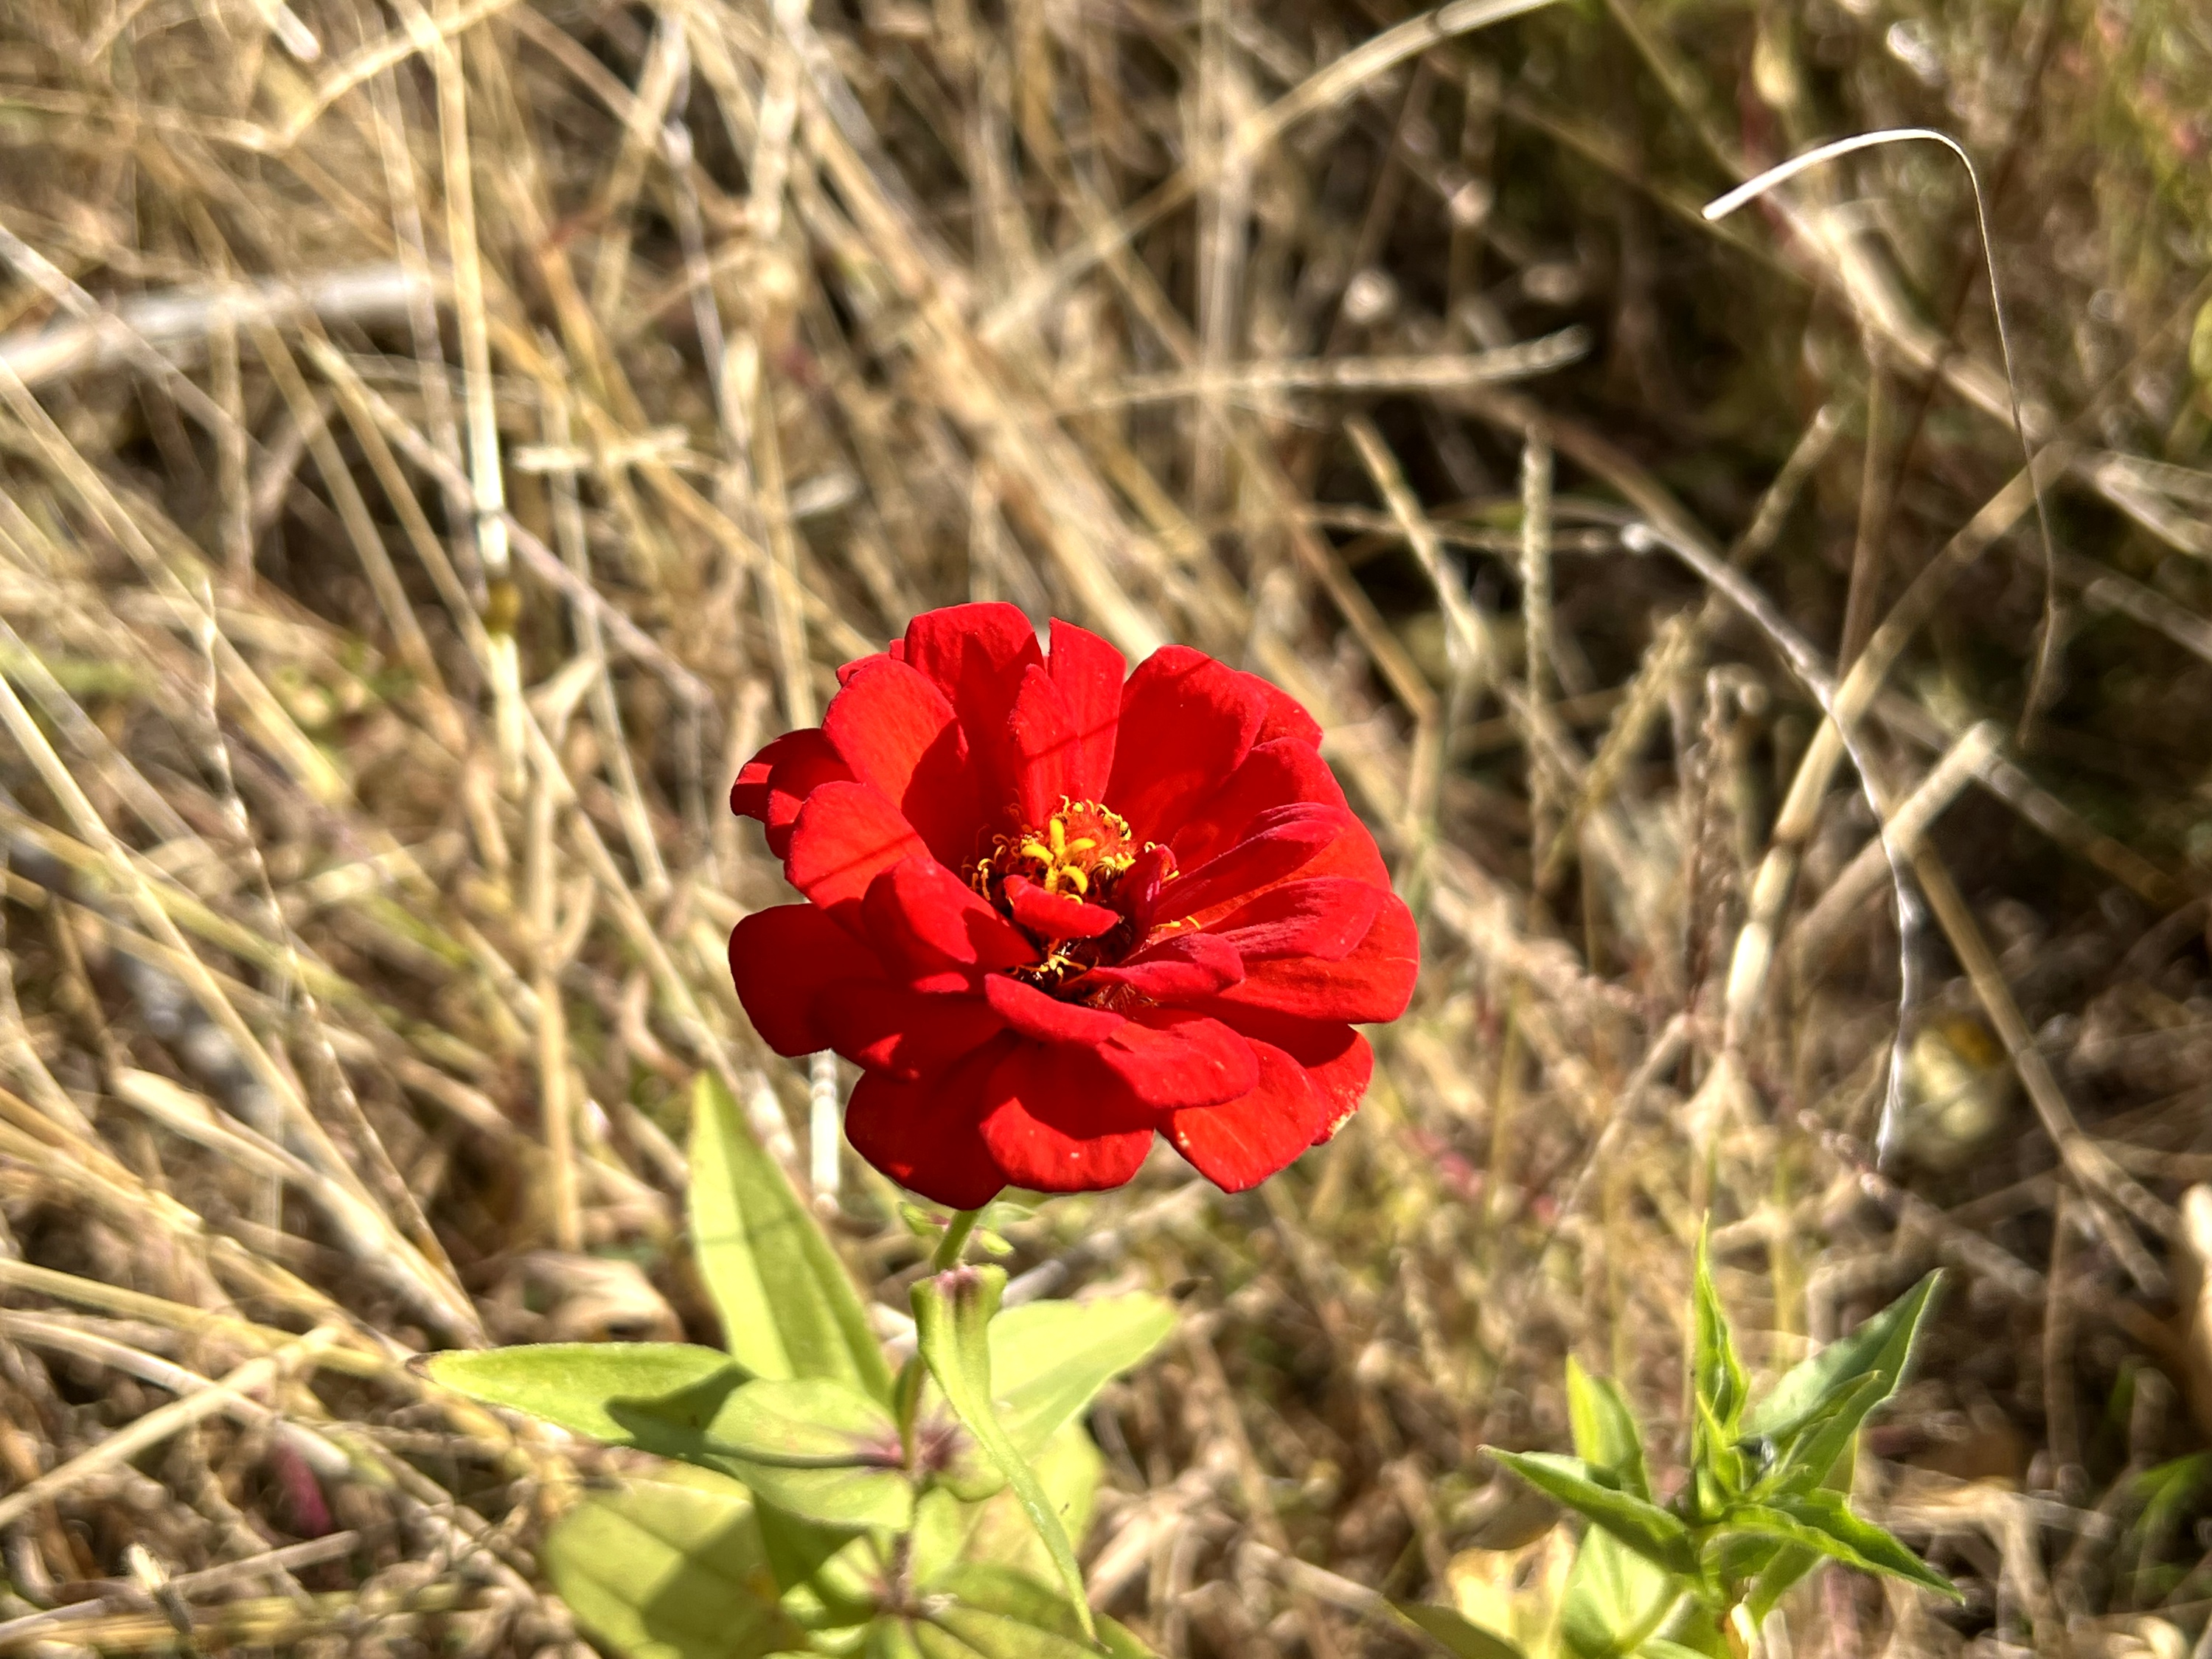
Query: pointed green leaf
[
  {"x": 1000, "y": 1612},
  {"x": 1455, "y": 1633},
  {"x": 1819, "y": 1452},
  {"x": 1881, "y": 1348},
  {"x": 997, "y": 1531},
  {"x": 1822, "y": 1521},
  {"x": 1717, "y": 1463},
  {"x": 1048, "y": 1359},
  {"x": 828, "y": 1575},
  {"x": 1717, "y": 1371},
  {"x": 788, "y": 1307},
  {"x": 890, "y": 1637},
  {"x": 822, "y": 1450},
  {"x": 671, "y": 1569},
  {"x": 1781, "y": 1573},
  {"x": 1615, "y": 1599},
  {"x": 1643, "y": 1526},
  {"x": 657, "y": 1396},
  {"x": 952, "y": 1312},
  {"x": 1606, "y": 1432}
]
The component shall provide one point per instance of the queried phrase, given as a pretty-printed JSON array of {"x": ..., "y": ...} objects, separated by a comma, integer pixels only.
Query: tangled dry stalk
[{"x": 441, "y": 439}]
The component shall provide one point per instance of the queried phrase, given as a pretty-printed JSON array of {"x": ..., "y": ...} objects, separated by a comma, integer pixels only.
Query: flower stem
[{"x": 954, "y": 1245}]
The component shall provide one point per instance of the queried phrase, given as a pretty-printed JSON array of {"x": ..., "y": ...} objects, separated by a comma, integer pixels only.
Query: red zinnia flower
[{"x": 1049, "y": 914}]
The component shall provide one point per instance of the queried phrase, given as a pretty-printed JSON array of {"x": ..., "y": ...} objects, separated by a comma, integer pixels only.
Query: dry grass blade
[{"x": 440, "y": 440}]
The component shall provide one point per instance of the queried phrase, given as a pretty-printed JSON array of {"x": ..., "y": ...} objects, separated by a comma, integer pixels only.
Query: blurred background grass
[{"x": 439, "y": 440}]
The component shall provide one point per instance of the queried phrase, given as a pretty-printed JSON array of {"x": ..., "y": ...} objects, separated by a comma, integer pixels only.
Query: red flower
[{"x": 1049, "y": 913}]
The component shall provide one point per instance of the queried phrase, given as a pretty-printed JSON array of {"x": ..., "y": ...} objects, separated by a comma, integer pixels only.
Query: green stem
[{"x": 954, "y": 1245}]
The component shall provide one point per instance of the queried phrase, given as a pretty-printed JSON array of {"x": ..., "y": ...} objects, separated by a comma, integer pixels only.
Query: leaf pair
[
  {"x": 1758, "y": 1512},
  {"x": 833, "y": 1455}
]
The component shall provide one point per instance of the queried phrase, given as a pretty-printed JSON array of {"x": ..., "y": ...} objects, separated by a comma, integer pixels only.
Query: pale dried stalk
[
  {"x": 1820, "y": 928},
  {"x": 487, "y": 482},
  {"x": 228, "y": 1394},
  {"x": 1537, "y": 645}
]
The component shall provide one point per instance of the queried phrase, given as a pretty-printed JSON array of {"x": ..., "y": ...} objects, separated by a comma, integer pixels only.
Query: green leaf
[
  {"x": 1643, "y": 1526},
  {"x": 788, "y": 1307},
  {"x": 1614, "y": 1600},
  {"x": 1716, "y": 1370},
  {"x": 1606, "y": 1432},
  {"x": 1781, "y": 1574},
  {"x": 829, "y": 1575},
  {"x": 1048, "y": 1359},
  {"x": 890, "y": 1637},
  {"x": 1880, "y": 1347},
  {"x": 997, "y": 1531},
  {"x": 1717, "y": 1464},
  {"x": 1691, "y": 1631},
  {"x": 1822, "y": 1521},
  {"x": 657, "y": 1396},
  {"x": 1820, "y": 1451},
  {"x": 1455, "y": 1633},
  {"x": 820, "y": 1449},
  {"x": 671, "y": 1569},
  {"x": 952, "y": 1312},
  {"x": 999, "y": 1611}
]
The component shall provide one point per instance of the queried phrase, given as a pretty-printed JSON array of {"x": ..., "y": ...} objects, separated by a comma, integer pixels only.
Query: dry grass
[{"x": 438, "y": 443}]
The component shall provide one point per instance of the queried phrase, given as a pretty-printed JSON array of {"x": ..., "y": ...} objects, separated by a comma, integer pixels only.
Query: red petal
[
  {"x": 1044, "y": 748},
  {"x": 1273, "y": 774},
  {"x": 847, "y": 835},
  {"x": 925, "y": 1134},
  {"x": 1341, "y": 1081},
  {"x": 775, "y": 783},
  {"x": 1089, "y": 673},
  {"x": 896, "y": 731},
  {"x": 1239, "y": 1144},
  {"x": 1337, "y": 1059},
  {"x": 1056, "y": 915},
  {"x": 782, "y": 960},
  {"x": 1180, "y": 967},
  {"x": 1372, "y": 984},
  {"x": 1278, "y": 842},
  {"x": 888, "y": 1028},
  {"x": 1144, "y": 890},
  {"x": 1046, "y": 1019},
  {"x": 1170, "y": 1058},
  {"x": 936, "y": 932},
  {"x": 1056, "y": 1125},
  {"x": 1286, "y": 715},
  {"x": 1189, "y": 721},
  {"x": 976, "y": 654},
  {"x": 1325, "y": 917}
]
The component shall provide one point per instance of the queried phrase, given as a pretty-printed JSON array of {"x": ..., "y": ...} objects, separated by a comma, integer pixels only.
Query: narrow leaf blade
[
  {"x": 822, "y": 1450},
  {"x": 1606, "y": 1432},
  {"x": 1457, "y": 1634},
  {"x": 1645, "y": 1527},
  {"x": 1717, "y": 1370},
  {"x": 1822, "y": 1521},
  {"x": 657, "y": 1397},
  {"x": 788, "y": 1307},
  {"x": 1048, "y": 1359},
  {"x": 671, "y": 1569},
  {"x": 1615, "y": 1598},
  {"x": 1880, "y": 1347},
  {"x": 1002, "y": 1594},
  {"x": 952, "y": 1315}
]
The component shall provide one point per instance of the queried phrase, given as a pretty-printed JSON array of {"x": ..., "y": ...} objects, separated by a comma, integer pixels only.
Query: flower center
[{"x": 1077, "y": 852}]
